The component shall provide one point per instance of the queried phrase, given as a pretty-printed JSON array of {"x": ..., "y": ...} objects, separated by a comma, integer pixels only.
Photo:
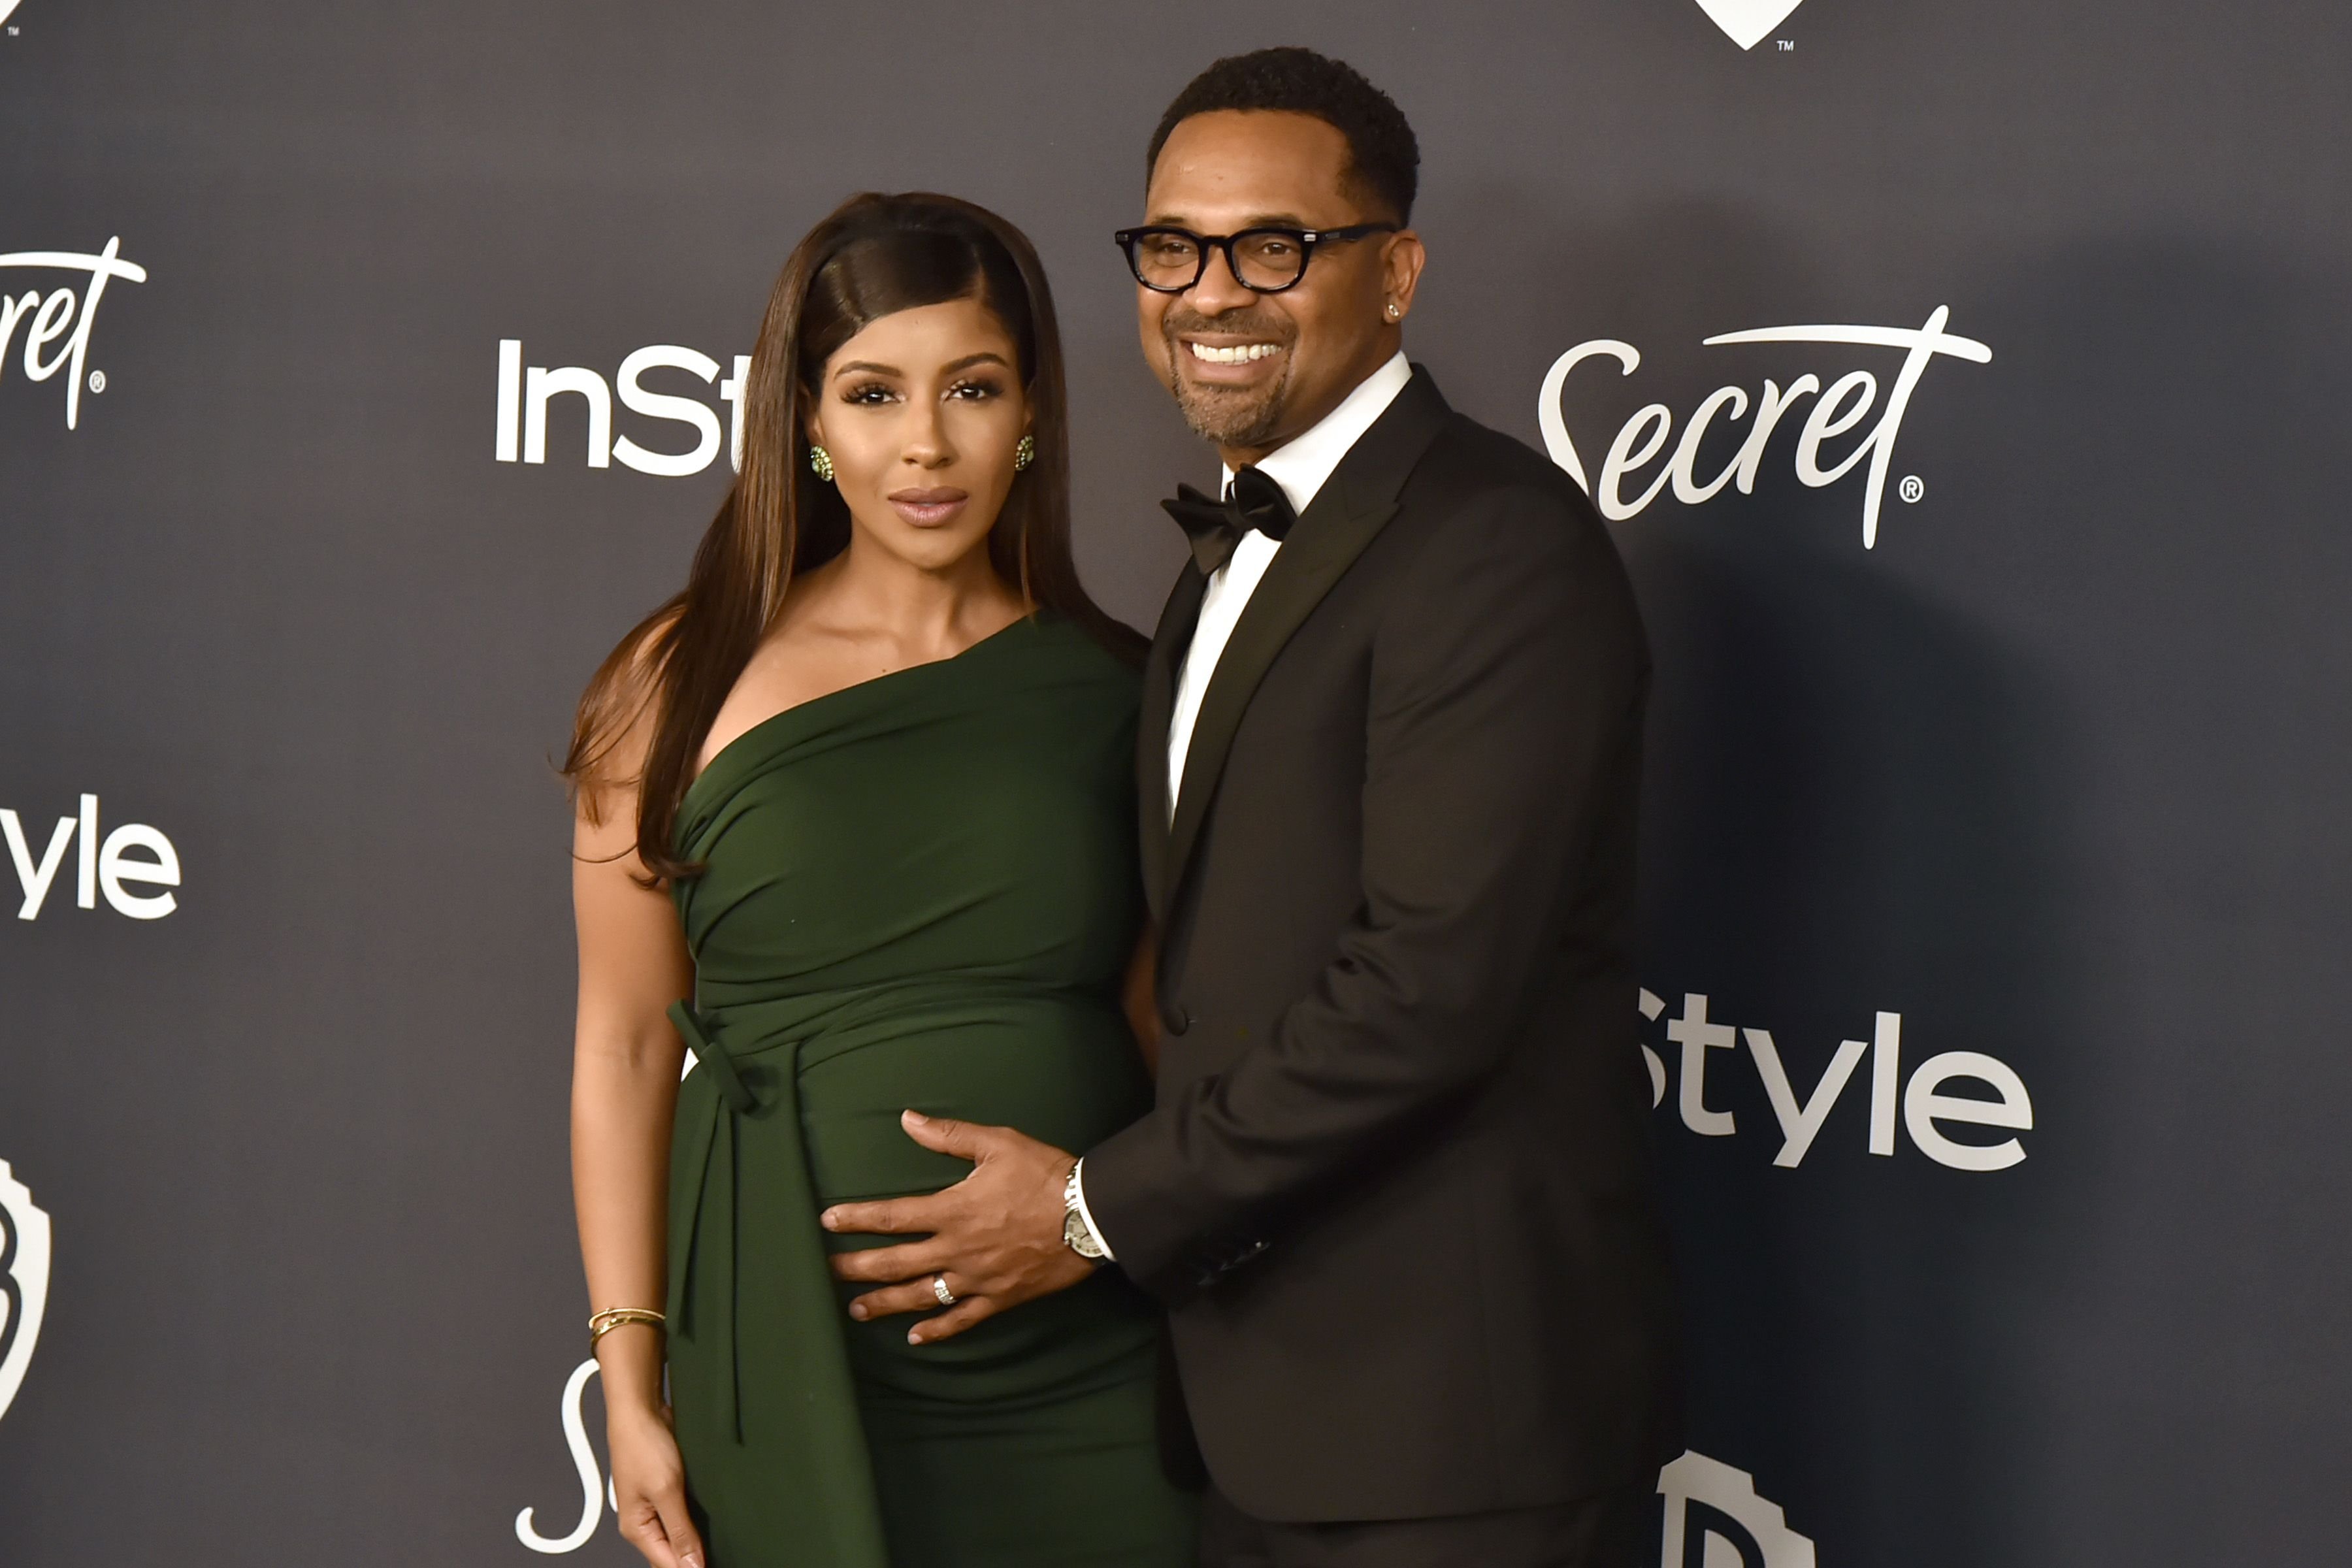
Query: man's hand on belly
[{"x": 995, "y": 1236}]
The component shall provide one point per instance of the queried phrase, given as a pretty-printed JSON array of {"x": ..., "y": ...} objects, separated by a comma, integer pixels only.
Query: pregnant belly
[{"x": 1064, "y": 1072}]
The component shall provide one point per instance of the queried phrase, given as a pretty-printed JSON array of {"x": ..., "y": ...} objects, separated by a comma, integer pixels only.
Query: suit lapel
[
  {"x": 1346, "y": 515},
  {"x": 1167, "y": 644}
]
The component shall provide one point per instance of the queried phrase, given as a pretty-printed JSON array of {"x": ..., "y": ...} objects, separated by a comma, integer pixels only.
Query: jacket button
[{"x": 1174, "y": 1019}]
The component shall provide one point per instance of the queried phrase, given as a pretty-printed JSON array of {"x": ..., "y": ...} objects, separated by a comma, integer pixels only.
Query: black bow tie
[{"x": 1215, "y": 527}]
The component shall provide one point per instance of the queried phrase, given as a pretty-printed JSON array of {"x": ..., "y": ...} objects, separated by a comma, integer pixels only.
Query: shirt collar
[{"x": 1300, "y": 466}]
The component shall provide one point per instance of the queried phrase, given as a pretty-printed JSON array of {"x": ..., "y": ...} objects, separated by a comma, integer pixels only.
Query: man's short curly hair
[{"x": 1383, "y": 157}]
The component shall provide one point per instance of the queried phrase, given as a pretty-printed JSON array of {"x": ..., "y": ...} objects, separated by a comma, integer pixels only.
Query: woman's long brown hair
[{"x": 875, "y": 254}]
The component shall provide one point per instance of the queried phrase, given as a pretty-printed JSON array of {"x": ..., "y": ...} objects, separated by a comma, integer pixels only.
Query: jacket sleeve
[{"x": 1506, "y": 687}]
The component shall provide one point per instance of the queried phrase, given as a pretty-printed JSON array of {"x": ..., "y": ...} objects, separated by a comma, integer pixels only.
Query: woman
[{"x": 863, "y": 792}]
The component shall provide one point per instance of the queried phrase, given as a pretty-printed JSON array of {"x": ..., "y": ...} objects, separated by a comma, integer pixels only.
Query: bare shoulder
[{"x": 802, "y": 658}]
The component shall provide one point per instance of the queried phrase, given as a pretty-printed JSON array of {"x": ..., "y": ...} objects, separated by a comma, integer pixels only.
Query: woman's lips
[{"x": 928, "y": 509}]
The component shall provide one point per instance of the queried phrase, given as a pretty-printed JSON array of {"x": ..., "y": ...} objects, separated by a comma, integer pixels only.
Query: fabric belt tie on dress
[
  {"x": 703, "y": 1230},
  {"x": 714, "y": 1062},
  {"x": 790, "y": 1339},
  {"x": 795, "y": 1303}
]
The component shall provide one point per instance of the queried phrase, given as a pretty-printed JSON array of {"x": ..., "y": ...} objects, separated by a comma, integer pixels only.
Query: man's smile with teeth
[{"x": 1240, "y": 353}]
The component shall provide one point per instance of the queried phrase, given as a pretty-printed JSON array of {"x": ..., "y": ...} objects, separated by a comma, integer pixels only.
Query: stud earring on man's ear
[{"x": 821, "y": 461}]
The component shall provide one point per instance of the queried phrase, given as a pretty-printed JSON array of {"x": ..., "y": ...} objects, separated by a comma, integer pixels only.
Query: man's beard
[{"x": 1228, "y": 415}]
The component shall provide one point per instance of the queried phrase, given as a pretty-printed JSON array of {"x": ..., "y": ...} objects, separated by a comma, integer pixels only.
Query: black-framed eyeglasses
[{"x": 1264, "y": 260}]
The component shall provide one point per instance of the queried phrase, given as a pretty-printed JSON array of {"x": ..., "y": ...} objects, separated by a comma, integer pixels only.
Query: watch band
[{"x": 1076, "y": 1234}]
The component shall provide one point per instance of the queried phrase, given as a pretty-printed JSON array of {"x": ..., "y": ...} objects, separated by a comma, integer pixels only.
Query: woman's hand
[{"x": 649, "y": 1487}]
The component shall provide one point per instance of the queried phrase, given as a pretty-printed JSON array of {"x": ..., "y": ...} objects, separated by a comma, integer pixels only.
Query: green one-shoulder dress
[{"x": 920, "y": 891}]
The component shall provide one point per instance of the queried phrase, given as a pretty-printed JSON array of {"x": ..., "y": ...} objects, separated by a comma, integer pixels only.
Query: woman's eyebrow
[
  {"x": 983, "y": 357},
  {"x": 869, "y": 367}
]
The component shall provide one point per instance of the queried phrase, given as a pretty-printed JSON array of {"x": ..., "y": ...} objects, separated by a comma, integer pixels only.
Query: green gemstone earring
[
  {"x": 820, "y": 460},
  {"x": 1024, "y": 454}
]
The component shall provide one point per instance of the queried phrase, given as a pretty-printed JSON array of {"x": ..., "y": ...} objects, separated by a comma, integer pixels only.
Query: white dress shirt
[{"x": 1300, "y": 466}]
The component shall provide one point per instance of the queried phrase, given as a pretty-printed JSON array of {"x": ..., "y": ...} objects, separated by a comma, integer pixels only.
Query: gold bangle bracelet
[
  {"x": 644, "y": 1313},
  {"x": 604, "y": 1323}
]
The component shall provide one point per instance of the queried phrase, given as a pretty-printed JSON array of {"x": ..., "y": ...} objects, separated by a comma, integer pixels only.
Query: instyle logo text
[
  {"x": 527, "y": 393},
  {"x": 1799, "y": 1114},
  {"x": 121, "y": 863}
]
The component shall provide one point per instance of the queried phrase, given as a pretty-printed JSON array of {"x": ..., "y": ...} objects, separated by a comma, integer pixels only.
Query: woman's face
[{"x": 921, "y": 412}]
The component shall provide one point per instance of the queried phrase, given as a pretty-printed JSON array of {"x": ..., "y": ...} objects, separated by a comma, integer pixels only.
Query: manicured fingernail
[
  {"x": 914, "y": 1336},
  {"x": 858, "y": 1310},
  {"x": 916, "y": 1119}
]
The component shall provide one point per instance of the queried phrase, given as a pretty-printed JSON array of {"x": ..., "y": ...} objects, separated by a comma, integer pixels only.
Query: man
[{"x": 1394, "y": 1192}]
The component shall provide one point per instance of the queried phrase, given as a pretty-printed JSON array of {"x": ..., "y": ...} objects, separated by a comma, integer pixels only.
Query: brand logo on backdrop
[
  {"x": 130, "y": 856},
  {"x": 1641, "y": 440},
  {"x": 1746, "y": 22},
  {"x": 1733, "y": 1527},
  {"x": 1924, "y": 1105},
  {"x": 63, "y": 315},
  {"x": 527, "y": 392},
  {"x": 1725, "y": 1501},
  {"x": 594, "y": 1499},
  {"x": 24, "y": 1281}
]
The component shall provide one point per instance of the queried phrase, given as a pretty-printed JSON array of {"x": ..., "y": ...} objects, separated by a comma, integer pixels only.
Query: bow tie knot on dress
[{"x": 1215, "y": 527}]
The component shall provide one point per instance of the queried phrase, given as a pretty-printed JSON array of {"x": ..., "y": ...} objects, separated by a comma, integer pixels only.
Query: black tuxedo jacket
[{"x": 1395, "y": 1192}]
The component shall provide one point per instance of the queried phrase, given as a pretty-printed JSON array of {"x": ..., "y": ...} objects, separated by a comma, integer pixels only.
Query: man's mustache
[{"x": 1250, "y": 324}]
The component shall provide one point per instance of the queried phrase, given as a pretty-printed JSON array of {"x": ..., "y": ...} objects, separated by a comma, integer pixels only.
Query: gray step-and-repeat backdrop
[{"x": 1967, "y": 386}]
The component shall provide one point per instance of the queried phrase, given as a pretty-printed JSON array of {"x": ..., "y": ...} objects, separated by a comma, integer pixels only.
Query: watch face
[{"x": 1074, "y": 1233}]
